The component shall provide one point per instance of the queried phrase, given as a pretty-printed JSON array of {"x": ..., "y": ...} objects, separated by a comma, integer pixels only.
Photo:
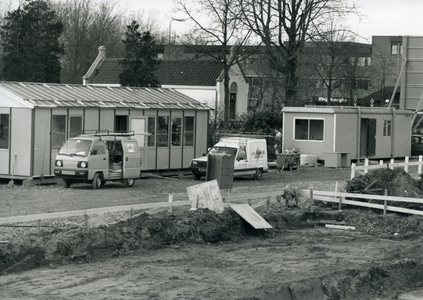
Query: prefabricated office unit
[
  {"x": 36, "y": 119},
  {"x": 347, "y": 132}
]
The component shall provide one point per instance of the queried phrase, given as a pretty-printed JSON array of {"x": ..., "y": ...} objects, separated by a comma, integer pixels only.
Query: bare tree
[
  {"x": 284, "y": 26},
  {"x": 220, "y": 24},
  {"x": 266, "y": 85},
  {"x": 148, "y": 21},
  {"x": 384, "y": 71},
  {"x": 356, "y": 78},
  {"x": 88, "y": 25},
  {"x": 330, "y": 50}
]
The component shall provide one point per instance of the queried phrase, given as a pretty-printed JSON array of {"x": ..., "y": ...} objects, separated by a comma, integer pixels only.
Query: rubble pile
[
  {"x": 394, "y": 182},
  {"x": 397, "y": 182}
]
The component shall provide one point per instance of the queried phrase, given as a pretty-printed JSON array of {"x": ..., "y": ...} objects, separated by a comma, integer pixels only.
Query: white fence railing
[
  {"x": 340, "y": 198},
  {"x": 392, "y": 164}
]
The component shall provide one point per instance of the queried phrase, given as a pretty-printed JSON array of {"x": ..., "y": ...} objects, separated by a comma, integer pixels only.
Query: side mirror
[{"x": 94, "y": 152}]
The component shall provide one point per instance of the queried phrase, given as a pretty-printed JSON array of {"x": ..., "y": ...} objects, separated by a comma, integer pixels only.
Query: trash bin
[{"x": 220, "y": 166}]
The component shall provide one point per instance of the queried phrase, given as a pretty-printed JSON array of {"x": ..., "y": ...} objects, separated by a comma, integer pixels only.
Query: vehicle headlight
[
  {"x": 59, "y": 163},
  {"x": 82, "y": 164},
  {"x": 194, "y": 163}
]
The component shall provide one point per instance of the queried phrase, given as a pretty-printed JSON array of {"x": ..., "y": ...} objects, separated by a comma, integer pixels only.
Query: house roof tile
[{"x": 169, "y": 72}]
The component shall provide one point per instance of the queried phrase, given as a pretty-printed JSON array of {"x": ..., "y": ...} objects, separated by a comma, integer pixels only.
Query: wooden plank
[
  {"x": 90, "y": 211},
  {"x": 330, "y": 222},
  {"x": 207, "y": 195},
  {"x": 155, "y": 210},
  {"x": 258, "y": 204},
  {"x": 244, "y": 198},
  {"x": 251, "y": 216},
  {"x": 339, "y": 227}
]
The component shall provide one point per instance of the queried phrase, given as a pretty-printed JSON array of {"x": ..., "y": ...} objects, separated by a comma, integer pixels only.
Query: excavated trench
[{"x": 151, "y": 232}]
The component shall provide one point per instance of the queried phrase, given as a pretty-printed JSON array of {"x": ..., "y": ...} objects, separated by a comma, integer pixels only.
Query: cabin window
[
  {"x": 75, "y": 126},
  {"x": 387, "y": 127},
  {"x": 176, "y": 131},
  {"x": 309, "y": 129},
  {"x": 121, "y": 124},
  {"x": 151, "y": 142},
  {"x": 4, "y": 131},
  {"x": 58, "y": 134},
  {"x": 189, "y": 131},
  {"x": 163, "y": 132}
]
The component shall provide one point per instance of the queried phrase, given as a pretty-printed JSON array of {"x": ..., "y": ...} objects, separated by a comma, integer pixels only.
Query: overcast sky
[{"x": 381, "y": 17}]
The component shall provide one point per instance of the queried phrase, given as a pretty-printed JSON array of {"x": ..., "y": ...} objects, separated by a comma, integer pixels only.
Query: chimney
[{"x": 102, "y": 51}]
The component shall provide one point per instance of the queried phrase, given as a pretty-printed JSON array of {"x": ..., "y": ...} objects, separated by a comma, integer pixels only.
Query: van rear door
[
  {"x": 131, "y": 159},
  {"x": 258, "y": 154}
]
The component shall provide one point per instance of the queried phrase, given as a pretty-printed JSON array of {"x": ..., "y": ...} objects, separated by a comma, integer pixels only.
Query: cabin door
[{"x": 368, "y": 138}]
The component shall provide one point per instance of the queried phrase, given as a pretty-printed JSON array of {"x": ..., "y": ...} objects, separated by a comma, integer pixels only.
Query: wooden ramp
[{"x": 251, "y": 216}]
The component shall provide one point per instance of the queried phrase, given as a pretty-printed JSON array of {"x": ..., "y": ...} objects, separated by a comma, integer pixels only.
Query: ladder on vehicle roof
[{"x": 101, "y": 133}]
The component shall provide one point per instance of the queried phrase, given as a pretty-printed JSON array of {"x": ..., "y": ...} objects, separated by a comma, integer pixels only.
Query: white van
[
  {"x": 98, "y": 158},
  {"x": 250, "y": 157}
]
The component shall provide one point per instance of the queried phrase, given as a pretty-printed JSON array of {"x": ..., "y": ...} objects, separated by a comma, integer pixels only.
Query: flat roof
[{"x": 345, "y": 110}]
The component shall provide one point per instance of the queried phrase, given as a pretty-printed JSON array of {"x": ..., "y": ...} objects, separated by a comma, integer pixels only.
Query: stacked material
[{"x": 308, "y": 159}]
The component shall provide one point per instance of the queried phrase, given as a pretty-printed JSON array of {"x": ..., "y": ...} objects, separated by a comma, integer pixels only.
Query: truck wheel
[
  {"x": 67, "y": 183},
  {"x": 196, "y": 176},
  {"x": 129, "y": 182},
  {"x": 97, "y": 180},
  {"x": 258, "y": 174}
]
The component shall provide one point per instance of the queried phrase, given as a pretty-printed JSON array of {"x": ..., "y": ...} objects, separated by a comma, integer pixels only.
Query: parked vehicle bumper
[
  {"x": 71, "y": 174},
  {"x": 198, "y": 170}
]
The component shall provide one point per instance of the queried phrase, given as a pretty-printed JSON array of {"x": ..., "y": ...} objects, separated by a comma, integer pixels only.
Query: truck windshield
[
  {"x": 225, "y": 150},
  {"x": 76, "y": 147}
]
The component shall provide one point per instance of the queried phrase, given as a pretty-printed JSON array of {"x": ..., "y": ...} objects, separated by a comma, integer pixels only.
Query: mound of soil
[
  {"x": 185, "y": 250},
  {"x": 152, "y": 232},
  {"x": 148, "y": 232},
  {"x": 396, "y": 182}
]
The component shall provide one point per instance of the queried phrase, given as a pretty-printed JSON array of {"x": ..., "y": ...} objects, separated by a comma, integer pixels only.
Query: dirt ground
[{"x": 204, "y": 255}]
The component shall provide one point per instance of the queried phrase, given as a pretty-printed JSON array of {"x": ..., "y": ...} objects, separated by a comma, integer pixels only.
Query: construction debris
[
  {"x": 340, "y": 227},
  {"x": 387, "y": 182}
]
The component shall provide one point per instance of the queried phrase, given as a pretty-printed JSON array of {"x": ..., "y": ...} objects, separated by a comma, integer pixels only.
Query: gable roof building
[{"x": 198, "y": 79}]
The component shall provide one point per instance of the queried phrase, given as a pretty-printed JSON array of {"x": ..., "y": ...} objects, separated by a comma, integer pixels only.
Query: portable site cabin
[
  {"x": 339, "y": 134},
  {"x": 36, "y": 118}
]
